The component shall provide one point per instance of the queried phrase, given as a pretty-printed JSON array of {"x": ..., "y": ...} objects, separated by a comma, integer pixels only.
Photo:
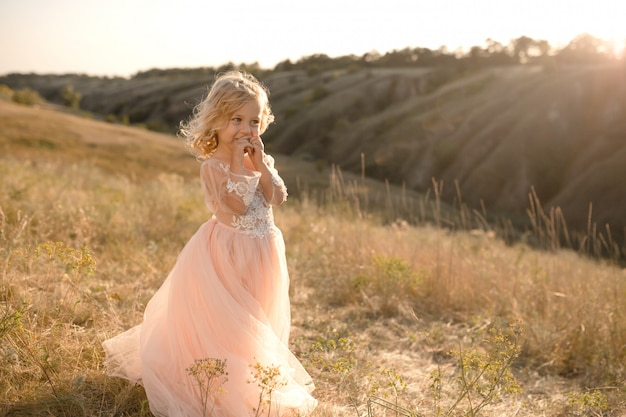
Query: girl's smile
[{"x": 244, "y": 124}]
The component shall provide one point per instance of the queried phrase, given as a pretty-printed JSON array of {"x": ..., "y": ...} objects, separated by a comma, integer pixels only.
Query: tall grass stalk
[{"x": 547, "y": 228}]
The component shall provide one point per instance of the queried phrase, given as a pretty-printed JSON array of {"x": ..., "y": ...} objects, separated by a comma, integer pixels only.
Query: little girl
[{"x": 214, "y": 339}]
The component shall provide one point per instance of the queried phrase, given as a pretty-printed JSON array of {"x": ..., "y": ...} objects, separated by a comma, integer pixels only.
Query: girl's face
[{"x": 245, "y": 122}]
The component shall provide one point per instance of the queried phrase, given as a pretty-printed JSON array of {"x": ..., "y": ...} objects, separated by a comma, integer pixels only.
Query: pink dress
[{"x": 225, "y": 299}]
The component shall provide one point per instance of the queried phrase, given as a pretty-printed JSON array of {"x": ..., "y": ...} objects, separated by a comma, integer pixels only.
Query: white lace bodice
[
  {"x": 258, "y": 220},
  {"x": 239, "y": 201}
]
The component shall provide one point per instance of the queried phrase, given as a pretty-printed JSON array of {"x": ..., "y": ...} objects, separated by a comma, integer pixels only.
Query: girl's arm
[{"x": 271, "y": 183}]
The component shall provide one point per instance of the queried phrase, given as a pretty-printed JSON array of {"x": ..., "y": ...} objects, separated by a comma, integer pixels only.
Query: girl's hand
[
  {"x": 255, "y": 151},
  {"x": 239, "y": 148}
]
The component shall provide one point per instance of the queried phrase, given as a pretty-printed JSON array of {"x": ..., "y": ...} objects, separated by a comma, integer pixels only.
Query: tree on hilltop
[
  {"x": 70, "y": 97},
  {"x": 585, "y": 48}
]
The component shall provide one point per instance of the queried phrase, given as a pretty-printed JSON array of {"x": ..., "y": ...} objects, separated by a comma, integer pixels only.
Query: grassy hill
[
  {"x": 52, "y": 133},
  {"x": 498, "y": 133},
  {"x": 93, "y": 215}
]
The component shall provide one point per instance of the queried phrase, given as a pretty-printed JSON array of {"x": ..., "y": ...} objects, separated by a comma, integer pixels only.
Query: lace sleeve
[
  {"x": 243, "y": 186},
  {"x": 225, "y": 191},
  {"x": 280, "y": 190}
]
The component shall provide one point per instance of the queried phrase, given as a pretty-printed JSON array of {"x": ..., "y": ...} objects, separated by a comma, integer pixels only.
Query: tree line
[{"x": 583, "y": 49}]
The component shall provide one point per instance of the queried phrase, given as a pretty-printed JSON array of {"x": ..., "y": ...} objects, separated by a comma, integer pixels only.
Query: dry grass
[{"x": 377, "y": 305}]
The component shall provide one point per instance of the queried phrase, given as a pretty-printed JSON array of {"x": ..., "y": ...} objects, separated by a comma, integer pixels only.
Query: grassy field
[{"x": 387, "y": 315}]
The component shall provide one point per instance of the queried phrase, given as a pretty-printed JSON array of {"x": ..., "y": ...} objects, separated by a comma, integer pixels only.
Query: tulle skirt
[{"x": 214, "y": 339}]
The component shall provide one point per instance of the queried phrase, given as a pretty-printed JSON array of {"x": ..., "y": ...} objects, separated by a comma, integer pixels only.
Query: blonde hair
[{"x": 229, "y": 92}]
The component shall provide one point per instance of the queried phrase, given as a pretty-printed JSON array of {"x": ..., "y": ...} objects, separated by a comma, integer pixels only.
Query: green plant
[
  {"x": 72, "y": 259},
  {"x": 27, "y": 96},
  {"x": 5, "y": 92},
  {"x": 335, "y": 358},
  {"x": 482, "y": 374},
  {"x": 588, "y": 403},
  {"x": 392, "y": 385},
  {"x": 21, "y": 340},
  {"x": 268, "y": 379},
  {"x": 210, "y": 375},
  {"x": 336, "y": 354},
  {"x": 10, "y": 320},
  {"x": 70, "y": 97},
  {"x": 392, "y": 281}
]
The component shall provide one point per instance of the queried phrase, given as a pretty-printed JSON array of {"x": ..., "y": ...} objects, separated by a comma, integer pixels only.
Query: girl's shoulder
[
  {"x": 213, "y": 168},
  {"x": 214, "y": 162}
]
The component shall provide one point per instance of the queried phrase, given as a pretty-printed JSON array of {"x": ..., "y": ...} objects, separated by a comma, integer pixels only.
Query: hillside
[
  {"x": 48, "y": 133},
  {"x": 498, "y": 131}
]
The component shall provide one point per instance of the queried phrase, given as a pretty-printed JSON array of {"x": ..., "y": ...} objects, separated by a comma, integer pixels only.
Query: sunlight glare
[
  {"x": 619, "y": 48},
  {"x": 608, "y": 25}
]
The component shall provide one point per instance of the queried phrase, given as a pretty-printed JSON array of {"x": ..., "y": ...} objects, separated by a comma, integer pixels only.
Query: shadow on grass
[{"x": 101, "y": 396}]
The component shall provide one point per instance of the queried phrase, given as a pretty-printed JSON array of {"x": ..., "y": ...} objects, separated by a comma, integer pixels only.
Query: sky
[{"x": 123, "y": 37}]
